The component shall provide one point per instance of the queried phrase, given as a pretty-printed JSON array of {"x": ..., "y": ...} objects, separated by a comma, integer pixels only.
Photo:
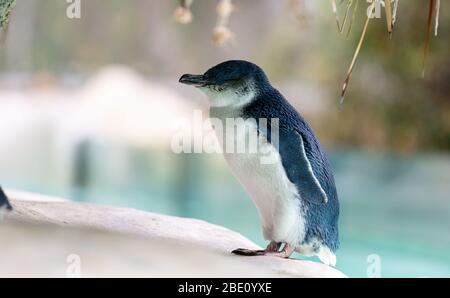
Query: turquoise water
[{"x": 395, "y": 210}]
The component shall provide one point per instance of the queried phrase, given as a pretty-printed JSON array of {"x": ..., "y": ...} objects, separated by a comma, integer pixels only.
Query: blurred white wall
[{"x": 42, "y": 128}]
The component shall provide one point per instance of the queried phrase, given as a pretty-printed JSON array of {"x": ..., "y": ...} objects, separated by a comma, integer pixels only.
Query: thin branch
[
  {"x": 353, "y": 18},
  {"x": 349, "y": 5},
  {"x": 358, "y": 48},
  {"x": 388, "y": 9},
  {"x": 427, "y": 36},
  {"x": 333, "y": 5},
  {"x": 394, "y": 13},
  {"x": 436, "y": 18}
]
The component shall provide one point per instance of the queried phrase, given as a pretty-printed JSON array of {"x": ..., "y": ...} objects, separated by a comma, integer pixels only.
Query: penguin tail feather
[{"x": 326, "y": 256}]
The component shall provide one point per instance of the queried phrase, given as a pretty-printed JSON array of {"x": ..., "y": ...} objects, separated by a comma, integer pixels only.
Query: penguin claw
[
  {"x": 285, "y": 253},
  {"x": 248, "y": 252}
]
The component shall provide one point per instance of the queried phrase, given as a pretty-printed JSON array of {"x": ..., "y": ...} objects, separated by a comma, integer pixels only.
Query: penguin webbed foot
[
  {"x": 248, "y": 252},
  {"x": 273, "y": 247},
  {"x": 271, "y": 250}
]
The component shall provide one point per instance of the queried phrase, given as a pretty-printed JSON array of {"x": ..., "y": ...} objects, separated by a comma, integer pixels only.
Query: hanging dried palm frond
[
  {"x": 391, "y": 7},
  {"x": 222, "y": 33},
  {"x": 355, "y": 55}
]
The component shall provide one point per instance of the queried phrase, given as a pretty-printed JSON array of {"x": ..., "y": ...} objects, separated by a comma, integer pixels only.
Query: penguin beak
[{"x": 195, "y": 80}]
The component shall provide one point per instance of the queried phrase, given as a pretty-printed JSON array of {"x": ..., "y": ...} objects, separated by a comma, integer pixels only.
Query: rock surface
[{"x": 50, "y": 237}]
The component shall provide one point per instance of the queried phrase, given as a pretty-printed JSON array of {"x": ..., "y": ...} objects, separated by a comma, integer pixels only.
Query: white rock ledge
[{"x": 48, "y": 238}]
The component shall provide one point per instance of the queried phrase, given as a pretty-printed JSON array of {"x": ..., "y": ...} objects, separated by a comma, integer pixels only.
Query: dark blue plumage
[
  {"x": 4, "y": 203},
  {"x": 234, "y": 71},
  {"x": 322, "y": 219}
]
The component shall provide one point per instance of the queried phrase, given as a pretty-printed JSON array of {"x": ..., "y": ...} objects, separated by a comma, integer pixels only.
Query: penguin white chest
[{"x": 262, "y": 175}]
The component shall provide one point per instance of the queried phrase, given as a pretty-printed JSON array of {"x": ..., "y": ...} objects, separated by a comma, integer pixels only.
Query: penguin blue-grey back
[
  {"x": 322, "y": 219},
  {"x": 295, "y": 196}
]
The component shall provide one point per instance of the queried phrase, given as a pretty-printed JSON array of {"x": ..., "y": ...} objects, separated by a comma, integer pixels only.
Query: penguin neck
[{"x": 230, "y": 103}]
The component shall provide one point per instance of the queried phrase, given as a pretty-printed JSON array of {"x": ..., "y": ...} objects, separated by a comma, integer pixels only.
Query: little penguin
[{"x": 295, "y": 194}]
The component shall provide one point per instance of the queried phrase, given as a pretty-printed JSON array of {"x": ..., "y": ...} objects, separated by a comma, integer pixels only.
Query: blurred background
[{"x": 88, "y": 107}]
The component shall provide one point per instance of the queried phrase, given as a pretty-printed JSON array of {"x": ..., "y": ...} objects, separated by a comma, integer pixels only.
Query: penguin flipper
[
  {"x": 4, "y": 203},
  {"x": 298, "y": 166}
]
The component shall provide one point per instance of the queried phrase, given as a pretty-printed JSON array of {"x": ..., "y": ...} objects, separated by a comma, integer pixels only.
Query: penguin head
[{"x": 233, "y": 82}]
